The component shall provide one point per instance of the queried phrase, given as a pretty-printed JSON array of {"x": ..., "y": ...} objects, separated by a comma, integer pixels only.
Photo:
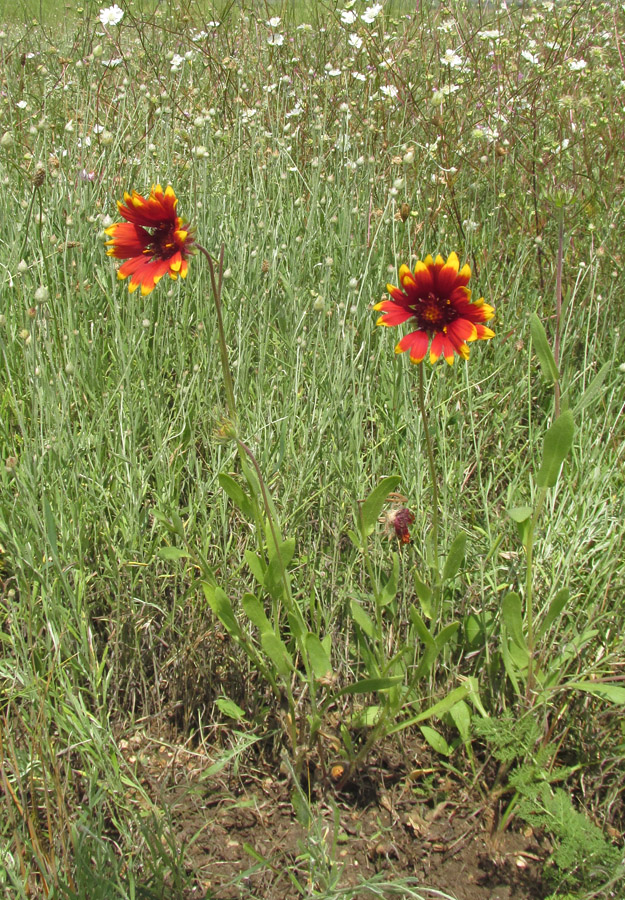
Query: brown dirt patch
[{"x": 391, "y": 821}]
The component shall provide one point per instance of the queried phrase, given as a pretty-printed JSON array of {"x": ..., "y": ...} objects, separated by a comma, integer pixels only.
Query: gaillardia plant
[
  {"x": 153, "y": 239},
  {"x": 437, "y": 298}
]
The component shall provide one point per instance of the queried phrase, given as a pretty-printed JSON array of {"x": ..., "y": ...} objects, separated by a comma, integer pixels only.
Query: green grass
[{"x": 110, "y": 402}]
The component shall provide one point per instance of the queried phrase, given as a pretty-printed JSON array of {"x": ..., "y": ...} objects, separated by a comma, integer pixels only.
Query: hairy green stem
[
  {"x": 529, "y": 595},
  {"x": 428, "y": 442},
  {"x": 216, "y": 283}
]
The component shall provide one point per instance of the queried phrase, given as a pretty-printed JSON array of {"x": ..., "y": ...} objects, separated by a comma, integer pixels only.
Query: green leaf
[
  {"x": 431, "y": 650},
  {"x": 455, "y": 557},
  {"x": 318, "y": 656},
  {"x": 51, "y": 534},
  {"x": 543, "y": 350},
  {"x": 473, "y": 629},
  {"x": 173, "y": 553},
  {"x": 438, "y": 709},
  {"x": 461, "y": 717},
  {"x": 512, "y": 615},
  {"x": 236, "y": 494},
  {"x": 445, "y": 635},
  {"x": 256, "y": 565},
  {"x": 510, "y": 667},
  {"x": 255, "y": 612},
  {"x": 520, "y": 657},
  {"x": 555, "y": 608},
  {"x": 355, "y": 539},
  {"x": 436, "y": 741},
  {"x": 221, "y": 606},
  {"x": 278, "y": 563},
  {"x": 522, "y": 517},
  {"x": 372, "y": 507},
  {"x": 593, "y": 389},
  {"x": 362, "y": 619},
  {"x": 388, "y": 592},
  {"x": 229, "y": 708},
  {"x": 425, "y": 595},
  {"x": 558, "y": 442},
  {"x": 276, "y": 650},
  {"x": 371, "y": 685},
  {"x": 612, "y": 692},
  {"x": 422, "y": 629},
  {"x": 520, "y": 514},
  {"x": 365, "y": 718},
  {"x": 301, "y": 807}
]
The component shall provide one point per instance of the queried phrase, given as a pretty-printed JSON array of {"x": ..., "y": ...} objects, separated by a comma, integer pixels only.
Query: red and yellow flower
[
  {"x": 153, "y": 239},
  {"x": 437, "y": 298}
]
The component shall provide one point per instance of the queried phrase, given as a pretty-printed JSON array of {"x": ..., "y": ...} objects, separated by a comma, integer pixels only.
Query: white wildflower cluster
[
  {"x": 452, "y": 59},
  {"x": 276, "y": 38},
  {"x": 371, "y": 13},
  {"x": 111, "y": 15}
]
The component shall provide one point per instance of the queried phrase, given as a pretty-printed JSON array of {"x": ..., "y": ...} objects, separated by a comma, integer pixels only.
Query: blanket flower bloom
[
  {"x": 153, "y": 240},
  {"x": 436, "y": 297}
]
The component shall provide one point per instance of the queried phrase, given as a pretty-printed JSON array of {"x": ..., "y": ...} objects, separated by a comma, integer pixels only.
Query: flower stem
[
  {"x": 428, "y": 442},
  {"x": 216, "y": 283}
]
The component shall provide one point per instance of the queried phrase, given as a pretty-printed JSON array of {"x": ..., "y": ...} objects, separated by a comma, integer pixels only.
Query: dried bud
[
  {"x": 399, "y": 521},
  {"x": 265, "y": 266},
  {"x": 40, "y": 175},
  {"x": 404, "y": 211}
]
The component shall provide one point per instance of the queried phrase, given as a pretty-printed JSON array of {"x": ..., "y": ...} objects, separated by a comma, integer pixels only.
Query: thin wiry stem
[
  {"x": 428, "y": 443},
  {"x": 216, "y": 283}
]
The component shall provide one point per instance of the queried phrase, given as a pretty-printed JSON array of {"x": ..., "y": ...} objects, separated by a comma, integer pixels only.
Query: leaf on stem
[
  {"x": 558, "y": 442},
  {"x": 371, "y": 508},
  {"x": 543, "y": 350}
]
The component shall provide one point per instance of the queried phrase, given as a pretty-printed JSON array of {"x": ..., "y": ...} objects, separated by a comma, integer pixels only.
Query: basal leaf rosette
[{"x": 437, "y": 298}]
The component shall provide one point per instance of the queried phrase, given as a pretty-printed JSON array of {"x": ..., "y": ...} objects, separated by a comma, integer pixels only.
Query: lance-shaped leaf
[
  {"x": 558, "y": 442},
  {"x": 372, "y": 506},
  {"x": 543, "y": 350}
]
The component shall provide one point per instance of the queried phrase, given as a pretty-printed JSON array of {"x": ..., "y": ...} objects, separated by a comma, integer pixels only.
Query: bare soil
[{"x": 404, "y": 816}]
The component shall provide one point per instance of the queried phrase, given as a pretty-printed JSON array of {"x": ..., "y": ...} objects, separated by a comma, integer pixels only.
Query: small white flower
[
  {"x": 389, "y": 90},
  {"x": 530, "y": 57},
  {"x": 22, "y": 104},
  {"x": 371, "y": 13},
  {"x": 451, "y": 59},
  {"x": 274, "y": 22},
  {"x": 576, "y": 65},
  {"x": 492, "y": 34},
  {"x": 275, "y": 40},
  {"x": 111, "y": 15},
  {"x": 176, "y": 62},
  {"x": 447, "y": 26},
  {"x": 359, "y": 76},
  {"x": 334, "y": 73},
  {"x": 355, "y": 41},
  {"x": 348, "y": 17},
  {"x": 112, "y": 63}
]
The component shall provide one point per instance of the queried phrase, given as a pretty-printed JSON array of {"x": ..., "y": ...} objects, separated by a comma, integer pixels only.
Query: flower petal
[
  {"x": 423, "y": 278},
  {"x": 395, "y": 293},
  {"x": 447, "y": 276},
  {"x": 437, "y": 347},
  {"x": 417, "y": 342},
  {"x": 395, "y": 314},
  {"x": 462, "y": 330}
]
